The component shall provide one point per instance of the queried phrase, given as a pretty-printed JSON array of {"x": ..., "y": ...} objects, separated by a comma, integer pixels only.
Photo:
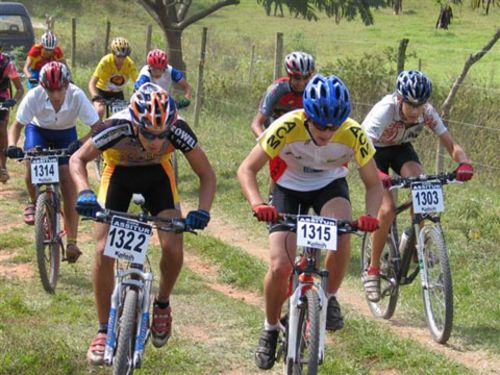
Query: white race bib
[
  {"x": 427, "y": 197},
  {"x": 317, "y": 232},
  {"x": 44, "y": 170},
  {"x": 128, "y": 239},
  {"x": 118, "y": 106}
]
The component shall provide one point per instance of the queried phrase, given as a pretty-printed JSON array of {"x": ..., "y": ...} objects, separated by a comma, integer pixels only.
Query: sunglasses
[
  {"x": 320, "y": 128},
  {"x": 151, "y": 137}
]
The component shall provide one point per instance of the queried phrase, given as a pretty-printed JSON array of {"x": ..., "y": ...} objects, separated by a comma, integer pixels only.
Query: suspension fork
[{"x": 143, "y": 330}]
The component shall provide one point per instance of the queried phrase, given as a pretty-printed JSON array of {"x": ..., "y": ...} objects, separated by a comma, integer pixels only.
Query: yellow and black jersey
[{"x": 299, "y": 164}]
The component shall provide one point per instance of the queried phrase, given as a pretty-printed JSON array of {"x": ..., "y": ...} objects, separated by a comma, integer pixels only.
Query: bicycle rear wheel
[
  {"x": 307, "y": 346},
  {"x": 124, "y": 356},
  {"x": 389, "y": 287},
  {"x": 438, "y": 294},
  {"x": 48, "y": 253}
]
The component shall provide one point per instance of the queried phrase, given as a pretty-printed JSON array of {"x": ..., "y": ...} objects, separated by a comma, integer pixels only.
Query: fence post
[
  {"x": 250, "y": 68},
  {"x": 73, "y": 42},
  {"x": 403, "y": 43},
  {"x": 106, "y": 38},
  {"x": 278, "y": 55},
  {"x": 149, "y": 32},
  {"x": 199, "y": 84}
]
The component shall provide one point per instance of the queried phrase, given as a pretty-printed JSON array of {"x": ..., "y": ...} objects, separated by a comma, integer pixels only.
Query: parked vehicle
[{"x": 16, "y": 29}]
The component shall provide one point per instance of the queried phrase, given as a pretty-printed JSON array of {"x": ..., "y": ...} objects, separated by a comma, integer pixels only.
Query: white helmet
[
  {"x": 299, "y": 64},
  {"x": 49, "y": 40}
]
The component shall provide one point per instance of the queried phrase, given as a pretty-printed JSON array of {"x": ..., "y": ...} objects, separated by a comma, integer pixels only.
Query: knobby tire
[
  {"x": 48, "y": 253},
  {"x": 123, "y": 359}
]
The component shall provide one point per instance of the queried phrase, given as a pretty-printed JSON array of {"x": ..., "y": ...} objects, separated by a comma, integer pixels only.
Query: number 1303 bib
[{"x": 427, "y": 197}]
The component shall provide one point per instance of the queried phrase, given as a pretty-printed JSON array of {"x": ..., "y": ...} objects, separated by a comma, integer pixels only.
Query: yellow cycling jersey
[
  {"x": 110, "y": 78},
  {"x": 299, "y": 164}
]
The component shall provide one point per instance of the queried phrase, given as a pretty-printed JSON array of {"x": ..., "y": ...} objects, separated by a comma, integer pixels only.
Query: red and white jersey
[{"x": 385, "y": 127}]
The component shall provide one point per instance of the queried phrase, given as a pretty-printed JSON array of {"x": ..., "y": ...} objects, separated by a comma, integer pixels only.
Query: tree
[
  {"x": 484, "y": 4},
  {"x": 337, "y": 9},
  {"x": 172, "y": 17}
]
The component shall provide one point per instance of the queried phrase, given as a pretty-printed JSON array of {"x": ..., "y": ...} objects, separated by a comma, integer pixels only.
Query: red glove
[
  {"x": 385, "y": 178},
  {"x": 464, "y": 172},
  {"x": 367, "y": 223},
  {"x": 264, "y": 212}
]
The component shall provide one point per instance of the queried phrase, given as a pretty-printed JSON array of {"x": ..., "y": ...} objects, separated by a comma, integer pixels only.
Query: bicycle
[
  {"x": 48, "y": 230},
  {"x": 303, "y": 327},
  {"x": 112, "y": 106},
  {"x": 424, "y": 241},
  {"x": 128, "y": 323}
]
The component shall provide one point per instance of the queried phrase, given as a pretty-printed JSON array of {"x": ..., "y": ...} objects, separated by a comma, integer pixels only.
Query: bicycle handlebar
[
  {"x": 59, "y": 153},
  {"x": 405, "y": 182},
  {"x": 343, "y": 226},
  {"x": 166, "y": 224}
]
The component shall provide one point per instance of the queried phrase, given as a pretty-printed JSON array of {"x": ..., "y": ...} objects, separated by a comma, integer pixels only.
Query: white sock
[{"x": 270, "y": 327}]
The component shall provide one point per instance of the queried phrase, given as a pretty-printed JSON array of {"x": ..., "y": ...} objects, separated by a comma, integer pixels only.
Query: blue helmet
[
  {"x": 326, "y": 100},
  {"x": 413, "y": 86}
]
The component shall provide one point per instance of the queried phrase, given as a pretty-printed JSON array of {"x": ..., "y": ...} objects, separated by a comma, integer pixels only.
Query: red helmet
[
  {"x": 157, "y": 59},
  {"x": 54, "y": 75}
]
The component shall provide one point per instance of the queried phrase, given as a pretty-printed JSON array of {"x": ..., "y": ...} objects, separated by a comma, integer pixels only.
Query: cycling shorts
[
  {"x": 111, "y": 94},
  {"x": 154, "y": 182},
  {"x": 395, "y": 157},
  {"x": 299, "y": 202},
  {"x": 4, "y": 114},
  {"x": 45, "y": 138}
]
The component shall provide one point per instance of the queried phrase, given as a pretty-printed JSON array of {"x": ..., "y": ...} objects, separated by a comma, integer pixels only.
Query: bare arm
[
  {"x": 19, "y": 89},
  {"x": 26, "y": 68},
  {"x": 201, "y": 166},
  {"x": 186, "y": 88},
  {"x": 93, "y": 86},
  {"x": 14, "y": 133},
  {"x": 78, "y": 165},
  {"x": 257, "y": 125},
  {"x": 455, "y": 151},
  {"x": 247, "y": 174},
  {"x": 373, "y": 186}
]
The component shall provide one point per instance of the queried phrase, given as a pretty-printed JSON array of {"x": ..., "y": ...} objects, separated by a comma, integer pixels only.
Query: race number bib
[
  {"x": 317, "y": 232},
  {"x": 44, "y": 170},
  {"x": 117, "y": 107},
  {"x": 128, "y": 240},
  {"x": 427, "y": 197}
]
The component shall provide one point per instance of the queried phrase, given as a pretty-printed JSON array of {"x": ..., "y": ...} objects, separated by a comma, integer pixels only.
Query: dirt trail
[{"x": 476, "y": 360}]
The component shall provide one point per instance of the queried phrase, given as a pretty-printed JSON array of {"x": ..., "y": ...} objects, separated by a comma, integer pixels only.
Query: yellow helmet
[{"x": 120, "y": 47}]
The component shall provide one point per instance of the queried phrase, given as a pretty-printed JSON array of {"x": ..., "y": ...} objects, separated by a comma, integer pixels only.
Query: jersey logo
[
  {"x": 279, "y": 134},
  {"x": 364, "y": 147}
]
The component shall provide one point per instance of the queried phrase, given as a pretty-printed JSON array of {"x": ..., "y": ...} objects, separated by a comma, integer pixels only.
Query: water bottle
[{"x": 403, "y": 244}]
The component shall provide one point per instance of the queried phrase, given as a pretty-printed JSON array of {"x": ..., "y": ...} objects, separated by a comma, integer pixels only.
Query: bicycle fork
[
  {"x": 142, "y": 282},
  {"x": 297, "y": 302}
]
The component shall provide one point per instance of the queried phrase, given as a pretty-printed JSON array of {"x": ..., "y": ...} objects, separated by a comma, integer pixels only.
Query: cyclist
[
  {"x": 315, "y": 145},
  {"x": 8, "y": 73},
  {"x": 158, "y": 71},
  {"x": 285, "y": 94},
  {"x": 39, "y": 55},
  {"x": 112, "y": 74},
  {"x": 136, "y": 146},
  {"x": 392, "y": 125},
  {"x": 49, "y": 113}
]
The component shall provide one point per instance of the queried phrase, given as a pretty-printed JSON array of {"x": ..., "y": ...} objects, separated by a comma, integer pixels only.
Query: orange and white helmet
[
  {"x": 151, "y": 107},
  {"x": 48, "y": 40}
]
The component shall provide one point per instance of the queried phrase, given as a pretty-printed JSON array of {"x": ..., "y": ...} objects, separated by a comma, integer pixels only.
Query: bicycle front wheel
[
  {"x": 437, "y": 290},
  {"x": 124, "y": 356},
  {"x": 307, "y": 346},
  {"x": 48, "y": 254},
  {"x": 389, "y": 287}
]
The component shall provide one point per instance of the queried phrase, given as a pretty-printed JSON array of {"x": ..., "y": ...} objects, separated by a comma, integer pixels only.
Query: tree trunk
[
  {"x": 174, "y": 48},
  {"x": 398, "y": 6}
]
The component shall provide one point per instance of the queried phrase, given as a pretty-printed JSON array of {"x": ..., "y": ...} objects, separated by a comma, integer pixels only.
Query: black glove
[
  {"x": 198, "y": 219},
  {"x": 74, "y": 146},
  {"x": 14, "y": 152},
  {"x": 9, "y": 102}
]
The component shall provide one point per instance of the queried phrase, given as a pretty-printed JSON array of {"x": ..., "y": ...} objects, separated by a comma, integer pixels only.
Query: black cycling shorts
[
  {"x": 394, "y": 157},
  {"x": 299, "y": 202},
  {"x": 119, "y": 183},
  {"x": 111, "y": 94}
]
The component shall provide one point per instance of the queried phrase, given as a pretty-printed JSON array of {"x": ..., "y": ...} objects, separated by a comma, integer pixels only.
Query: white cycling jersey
[{"x": 385, "y": 127}]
